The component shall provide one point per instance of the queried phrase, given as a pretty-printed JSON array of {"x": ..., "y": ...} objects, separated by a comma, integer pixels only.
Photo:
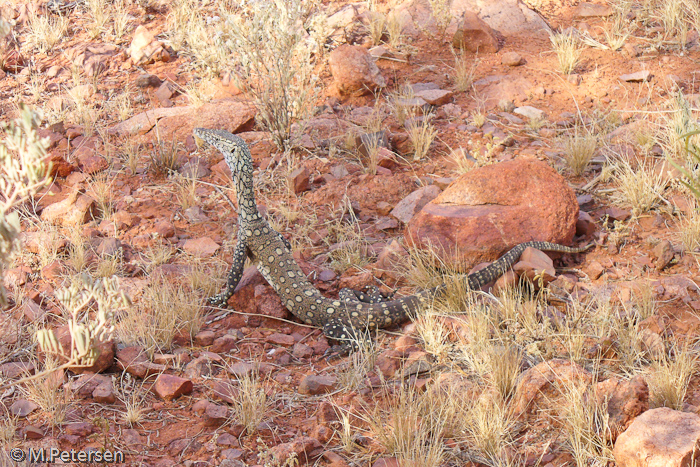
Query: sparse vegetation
[
  {"x": 568, "y": 51},
  {"x": 449, "y": 392},
  {"x": 422, "y": 133},
  {"x": 251, "y": 405},
  {"x": 463, "y": 71},
  {"x": 640, "y": 188},
  {"x": 266, "y": 49},
  {"x": 579, "y": 149}
]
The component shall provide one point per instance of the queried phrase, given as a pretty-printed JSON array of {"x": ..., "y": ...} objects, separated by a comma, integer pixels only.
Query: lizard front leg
[{"x": 240, "y": 253}]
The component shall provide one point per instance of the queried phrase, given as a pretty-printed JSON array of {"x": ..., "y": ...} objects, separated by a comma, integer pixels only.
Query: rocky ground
[{"x": 435, "y": 136}]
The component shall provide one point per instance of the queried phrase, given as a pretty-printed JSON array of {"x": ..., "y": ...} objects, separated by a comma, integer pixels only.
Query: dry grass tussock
[{"x": 265, "y": 48}]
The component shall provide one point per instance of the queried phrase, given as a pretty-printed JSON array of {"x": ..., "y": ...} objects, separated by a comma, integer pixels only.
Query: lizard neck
[{"x": 242, "y": 171}]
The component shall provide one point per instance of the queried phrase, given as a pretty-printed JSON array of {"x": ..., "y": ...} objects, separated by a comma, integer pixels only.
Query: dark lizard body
[{"x": 339, "y": 318}]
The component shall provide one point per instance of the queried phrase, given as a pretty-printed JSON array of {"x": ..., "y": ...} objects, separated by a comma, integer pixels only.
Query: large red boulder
[{"x": 489, "y": 210}]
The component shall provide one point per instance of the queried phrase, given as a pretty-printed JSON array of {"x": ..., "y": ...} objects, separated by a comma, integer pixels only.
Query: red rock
[
  {"x": 625, "y": 401},
  {"x": 171, "y": 387},
  {"x": 489, "y": 210},
  {"x": 33, "y": 432},
  {"x": 224, "y": 344},
  {"x": 663, "y": 252},
  {"x": 203, "y": 247},
  {"x": 163, "y": 94},
  {"x": 60, "y": 167},
  {"x": 302, "y": 351},
  {"x": 408, "y": 207},
  {"x": 507, "y": 281},
  {"x": 660, "y": 437},
  {"x": 76, "y": 209},
  {"x": 386, "y": 462},
  {"x": 585, "y": 225},
  {"x": 354, "y": 70},
  {"x": 104, "y": 360},
  {"x": 511, "y": 59},
  {"x": 301, "y": 448},
  {"x": 475, "y": 35},
  {"x": 131, "y": 437},
  {"x": 104, "y": 393},
  {"x": 535, "y": 265},
  {"x": 134, "y": 361},
  {"x": 22, "y": 408},
  {"x": 540, "y": 385},
  {"x": 165, "y": 229},
  {"x": 225, "y": 391},
  {"x": 176, "y": 123},
  {"x": 14, "y": 370},
  {"x": 334, "y": 460},
  {"x": 299, "y": 180},
  {"x": 31, "y": 310},
  {"x": 215, "y": 415},
  {"x": 86, "y": 383},
  {"x": 199, "y": 368},
  {"x": 312, "y": 385},
  {"x": 268, "y": 303},
  {"x": 88, "y": 161},
  {"x": 81, "y": 429},
  {"x": 435, "y": 96},
  {"x": 388, "y": 362},
  {"x": 280, "y": 339},
  {"x": 592, "y": 10},
  {"x": 204, "y": 338}
]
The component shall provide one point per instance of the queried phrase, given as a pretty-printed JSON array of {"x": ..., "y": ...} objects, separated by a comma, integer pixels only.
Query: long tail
[{"x": 504, "y": 263}]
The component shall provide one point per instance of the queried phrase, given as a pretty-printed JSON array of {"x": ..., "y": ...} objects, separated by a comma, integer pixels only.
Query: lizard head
[{"x": 234, "y": 149}]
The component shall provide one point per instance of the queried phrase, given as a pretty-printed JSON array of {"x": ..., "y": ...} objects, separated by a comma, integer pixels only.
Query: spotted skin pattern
[{"x": 354, "y": 311}]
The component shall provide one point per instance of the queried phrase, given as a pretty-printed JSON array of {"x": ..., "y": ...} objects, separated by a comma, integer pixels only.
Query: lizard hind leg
[{"x": 349, "y": 338}]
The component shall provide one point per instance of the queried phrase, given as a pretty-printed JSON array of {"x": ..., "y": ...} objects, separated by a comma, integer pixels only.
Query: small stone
[
  {"x": 204, "y": 338},
  {"x": 529, "y": 112},
  {"x": 383, "y": 208},
  {"x": 198, "y": 369},
  {"x": 511, "y": 59},
  {"x": 413, "y": 203},
  {"x": 594, "y": 270},
  {"x": 170, "y": 387},
  {"x": 637, "y": 77},
  {"x": 386, "y": 223},
  {"x": 13, "y": 370},
  {"x": 663, "y": 252},
  {"x": 301, "y": 350},
  {"x": 215, "y": 415},
  {"x": 585, "y": 225},
  {"x": 104, "y": 393},
  {"x": 592, "y": 10},
  {"x": 147, "y": 80},
  {"x": 617, "y": 214},
  {"x": 299, "y": 180},
  {"x": 22, "y": 407},
  {"x": 435, "y": 96},
  {"x": 203, "y": 247},
  {"x": 81, "y": 429},
  {"x": 280, "y": 339},
  {"x": 33, "y": 432},
  {"x": 312, "y": 385},
  {"x": 224, "y": 344},
  {"x": 163, "y": 94},
  {"x": 327, "y": 275}
]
